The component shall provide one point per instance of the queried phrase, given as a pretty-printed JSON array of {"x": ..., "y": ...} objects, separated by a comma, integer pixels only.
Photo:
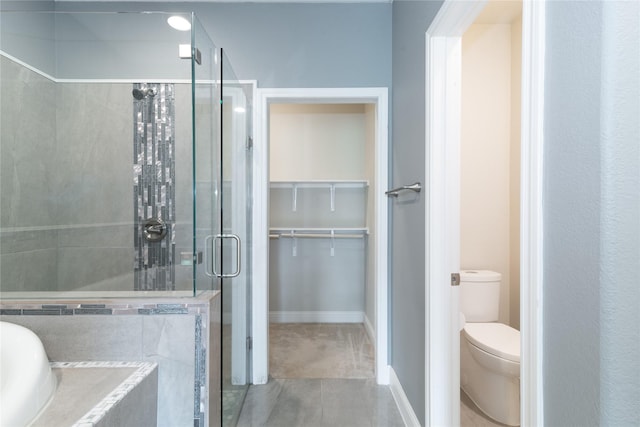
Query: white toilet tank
[{"x": 480, "y": 295}]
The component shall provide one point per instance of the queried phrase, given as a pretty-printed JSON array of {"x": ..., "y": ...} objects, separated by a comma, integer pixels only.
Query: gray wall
[
  {"x": 312, "y": 279},
  {"x": 291, "y": 45},
  {"x": 410, "y": 22},
  {"x": 29, "y": 36},
  {"x": 620, "y": 218},
  {"x": 591, "y": 215}
]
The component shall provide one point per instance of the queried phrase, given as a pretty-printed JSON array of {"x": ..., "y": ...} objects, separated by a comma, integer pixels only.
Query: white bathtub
[{"x": 27, "y": 383}]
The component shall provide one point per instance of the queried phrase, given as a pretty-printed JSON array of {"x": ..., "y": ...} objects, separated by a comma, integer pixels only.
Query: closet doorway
[
  {"x": 320, "y": 304},
  {"x": 320, "y": 308}
]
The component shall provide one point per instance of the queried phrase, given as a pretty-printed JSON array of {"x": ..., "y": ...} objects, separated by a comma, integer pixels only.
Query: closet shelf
[
  {"x": 294, "y": 186},
  {"x": 320, "y": 184}
]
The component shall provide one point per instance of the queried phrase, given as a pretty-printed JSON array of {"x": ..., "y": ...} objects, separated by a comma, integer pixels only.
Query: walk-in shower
[{"x": 124, "y": 166}]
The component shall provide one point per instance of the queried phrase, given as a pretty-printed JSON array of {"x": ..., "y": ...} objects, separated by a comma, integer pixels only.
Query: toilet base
[{"x": 492, "y": 384}]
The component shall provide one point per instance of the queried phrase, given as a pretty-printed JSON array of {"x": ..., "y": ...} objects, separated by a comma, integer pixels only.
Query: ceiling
[
  {"x": 241, "y": 1},
  {"x": 495, "y": 12}
]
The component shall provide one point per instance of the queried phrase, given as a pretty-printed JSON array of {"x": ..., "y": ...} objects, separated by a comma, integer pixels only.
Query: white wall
[
  {"x": 490, "y": 159},
  {"x": 514, "y": 194},
  {"x": 316, "y": 141}
]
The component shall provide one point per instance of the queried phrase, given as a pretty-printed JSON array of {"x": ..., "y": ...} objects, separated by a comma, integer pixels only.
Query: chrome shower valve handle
[{"x": 154, "y": 229}]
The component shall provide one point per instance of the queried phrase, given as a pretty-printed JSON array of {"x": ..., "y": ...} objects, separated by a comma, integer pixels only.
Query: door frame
[
  {"x": 443, "y": 105},
  {"x": 260, "y": 262}
]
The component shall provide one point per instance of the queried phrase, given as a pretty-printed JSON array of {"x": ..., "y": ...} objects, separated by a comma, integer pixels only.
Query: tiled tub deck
[
  {"x": 101, "y": 394},
  {"x": 179, "y": 334}
]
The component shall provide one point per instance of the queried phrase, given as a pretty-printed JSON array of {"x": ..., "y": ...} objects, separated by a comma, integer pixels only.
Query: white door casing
[
  {"x": 260, "y": 265},
  {"x": 443, "y": 106}
]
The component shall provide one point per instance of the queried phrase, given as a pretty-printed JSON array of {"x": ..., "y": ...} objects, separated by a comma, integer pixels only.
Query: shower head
[{"x": 143, "y": 93}]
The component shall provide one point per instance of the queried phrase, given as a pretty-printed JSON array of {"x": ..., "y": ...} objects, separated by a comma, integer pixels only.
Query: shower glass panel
[
  {"x": 236, "y": 116},
  {"x": 207, "y": 158},
  {"x": 110, "y": 150}
]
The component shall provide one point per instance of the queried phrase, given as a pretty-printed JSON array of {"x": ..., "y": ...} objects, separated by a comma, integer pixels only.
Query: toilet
[{"x": 489, "y": 351}]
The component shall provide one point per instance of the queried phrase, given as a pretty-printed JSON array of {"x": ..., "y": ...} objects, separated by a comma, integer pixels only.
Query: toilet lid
[{"x": 495, "y": 338}]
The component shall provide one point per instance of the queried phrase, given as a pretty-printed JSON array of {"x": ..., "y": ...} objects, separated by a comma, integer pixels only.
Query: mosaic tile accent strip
[
  {"x": 154, "y": 184},
  {"x": 105, "y": 405},
  {"x": 200, "y": 375},
  {"x": 142, "y": 308}
]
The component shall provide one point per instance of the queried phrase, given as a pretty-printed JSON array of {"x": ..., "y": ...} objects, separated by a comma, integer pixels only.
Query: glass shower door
[
  {"x": 206, "y": 158},
  {"x": 236, "y": 244}
]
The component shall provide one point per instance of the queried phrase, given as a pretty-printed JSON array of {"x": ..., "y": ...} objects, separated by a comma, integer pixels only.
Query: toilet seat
[{"x": 495, "y": 338}]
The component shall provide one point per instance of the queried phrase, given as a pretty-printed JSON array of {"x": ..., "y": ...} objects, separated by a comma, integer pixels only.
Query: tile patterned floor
[
  {"x": 320, "y": 350},
  {"x": 323, "y": 375},
  {"x": 471, "y": 416},
  {"x": 320, "y": 403}
]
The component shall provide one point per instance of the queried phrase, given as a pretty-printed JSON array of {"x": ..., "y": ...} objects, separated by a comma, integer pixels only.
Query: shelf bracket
[
  {"x": 332, "y": 190},
  {"x": 333, "y": 242},
  {"x": 294, "y": 244},
  {"x": 294, "y": 192}
]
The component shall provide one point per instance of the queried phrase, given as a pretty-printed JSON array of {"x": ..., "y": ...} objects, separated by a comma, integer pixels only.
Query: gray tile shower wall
[
  {"x": 66, "y": 213},
  {"x": 180, "y": 335},
  {"x": 27, "y": 209},
  {"x": 92, "y": 183}
]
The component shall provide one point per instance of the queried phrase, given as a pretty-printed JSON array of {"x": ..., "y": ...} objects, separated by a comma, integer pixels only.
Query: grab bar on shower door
[{"x": 415, "y": 187}]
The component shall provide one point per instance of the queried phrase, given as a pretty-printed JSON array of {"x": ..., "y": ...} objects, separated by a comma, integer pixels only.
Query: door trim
[
  {"x": 260, "y": 262},
  {"x": 531, "y": 216},
  {"x": 443, "y": 50}
]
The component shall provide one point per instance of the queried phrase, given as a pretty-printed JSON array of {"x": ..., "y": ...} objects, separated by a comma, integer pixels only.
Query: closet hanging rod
[
  {"x": 415, "y": 187},
  {"x": 318, "y": 230}
]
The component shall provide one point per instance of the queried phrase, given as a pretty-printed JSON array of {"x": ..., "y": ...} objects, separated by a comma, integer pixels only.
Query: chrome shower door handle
[
  {"x": 214, "y": 239},
  {"x": 238, "y": 250}
]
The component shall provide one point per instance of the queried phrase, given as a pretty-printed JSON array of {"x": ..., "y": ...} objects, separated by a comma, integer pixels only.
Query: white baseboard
[
  {"x": 316, "y": 316},
  {"x": 406, "y": 411}
]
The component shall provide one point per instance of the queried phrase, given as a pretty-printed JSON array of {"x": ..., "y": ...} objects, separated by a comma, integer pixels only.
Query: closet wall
[{"x": 320, "y": 215}]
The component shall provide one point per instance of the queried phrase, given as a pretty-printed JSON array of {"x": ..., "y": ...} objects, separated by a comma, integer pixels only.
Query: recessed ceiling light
[{"x": 180, "y": 23}]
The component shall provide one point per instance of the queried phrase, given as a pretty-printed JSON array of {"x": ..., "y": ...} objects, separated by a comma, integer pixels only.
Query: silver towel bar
[{"x": 415, "y": 187}]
